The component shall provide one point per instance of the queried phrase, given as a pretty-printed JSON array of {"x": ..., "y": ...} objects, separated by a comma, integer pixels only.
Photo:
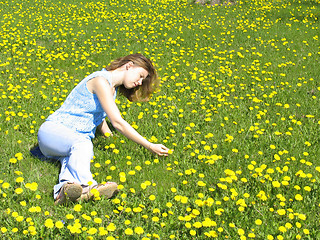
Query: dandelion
[
  {"x": 49, "y": 223},
  {"x": 282, "y": 229},
  {"x": 19, "y": 156},
  {"x": 152, "y": 197},
  {"x": 128, "y": 231},
  {"x": 139, "y": 230},
  {"x": 281, "y": 212},
  {"x": 5, "y": 185},
  {"x": 201, "y": 184},
  {"x": 288, "y": 225},
  {"x": 19, "y": 218},
  {"x": 69, "y": 216},
  {"x": 77, "y": 207},
  {"x": 184, "y": 199},
  {"x": 155, "y": 219},
  {"x": 276, "y": 184},
  {"x": 306, "y": 231},
  {"x": 298, "y": 197},
  {"x": 18, "y": 190},
  {"x": 195, "y": 212},
  {"x": 92, "y": 231},
  {"x": 102, "y": 231},
  {"x": 258, "y": 222},
  {"x": 197, "y": 224},
  {"x": 32, "y": 186},
  {"x": 251, "y": 235},
  {"x": 111, "y": 227},
  {"x": 307, "y": 188},
  {"x": 302, "y": 216},
  {"x": 97, "y": 220},
  {"x": 59, "y": 224}
]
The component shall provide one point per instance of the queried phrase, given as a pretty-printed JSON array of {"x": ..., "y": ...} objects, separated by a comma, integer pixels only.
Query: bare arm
[
  {"x": 104, "y": 129},
  {"x": 105, "y": 96}
]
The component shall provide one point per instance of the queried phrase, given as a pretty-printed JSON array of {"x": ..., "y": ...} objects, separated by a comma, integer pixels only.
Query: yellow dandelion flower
[
  {"x": 298, "y": 197},
  {"x": 155, "y": 219},
  {"x": 139, "y": 230},
  {"x": 281, "y": 212},
  {"x": 152, "y": 197},
  {"x": 282, "y": 229},
  {"x": 241, "y": 231},
  {"x": 302, "y": 216},
  {"x": 59, "y": 224},
  {"x": 197, "y": 224},
  {"x": 128, "y": 231},
  {"x": 276, "y": 184},
  {"x": 111, "y": 227},
  {"x": 97, "y": 220},
  {"x": 69, "y": 216},
  {"x": 251, "y": 235},
  {"x": 92, "y": 231},
  {"x": 18, "y": 190},
  {"x": 201, "y": 184},
  {"x": 258, "y": 222},
  {"x": 5, "y": 185},
  {"x": 49, "y": 223},
  {"x": 77, "y": 207}
]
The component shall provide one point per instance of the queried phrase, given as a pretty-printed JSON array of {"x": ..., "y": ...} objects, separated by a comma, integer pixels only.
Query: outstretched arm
[{"x": 105, "y": 96}]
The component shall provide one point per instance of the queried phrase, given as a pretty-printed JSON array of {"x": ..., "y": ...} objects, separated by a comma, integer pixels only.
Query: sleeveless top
[{"x": 82, "y": 111}]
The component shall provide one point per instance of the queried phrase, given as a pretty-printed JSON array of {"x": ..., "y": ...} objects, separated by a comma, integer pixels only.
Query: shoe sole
[
  {"x": 107, "y": 190},
  {"x": 69, "y": 192}
]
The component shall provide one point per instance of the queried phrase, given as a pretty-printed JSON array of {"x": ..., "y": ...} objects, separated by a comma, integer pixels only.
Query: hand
[{"x": 159, "y": 149}]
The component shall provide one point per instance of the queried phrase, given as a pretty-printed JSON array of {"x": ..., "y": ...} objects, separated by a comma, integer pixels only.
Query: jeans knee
[{"x": 83, "y": 149}]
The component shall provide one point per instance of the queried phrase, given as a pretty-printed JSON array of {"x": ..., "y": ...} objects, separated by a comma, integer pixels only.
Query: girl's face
[{"x": 134, "y": 76}]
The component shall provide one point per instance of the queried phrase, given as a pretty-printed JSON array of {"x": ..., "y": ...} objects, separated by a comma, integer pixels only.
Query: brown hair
[{"x": 149, "y": 84}]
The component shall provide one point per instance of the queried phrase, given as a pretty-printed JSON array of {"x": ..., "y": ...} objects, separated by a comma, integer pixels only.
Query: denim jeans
[{"x": 72, "y": 149}]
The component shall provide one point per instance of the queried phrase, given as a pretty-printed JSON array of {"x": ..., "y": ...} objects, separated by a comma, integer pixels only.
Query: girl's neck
[{"x": 117, "y": 77}]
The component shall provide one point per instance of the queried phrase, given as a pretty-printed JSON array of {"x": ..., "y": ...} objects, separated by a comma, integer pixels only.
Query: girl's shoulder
[{"x": 102, "y": 73}]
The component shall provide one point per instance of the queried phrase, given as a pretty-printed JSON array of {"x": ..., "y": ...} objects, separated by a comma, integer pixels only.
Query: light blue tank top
[{"x": 82, "y": 111}]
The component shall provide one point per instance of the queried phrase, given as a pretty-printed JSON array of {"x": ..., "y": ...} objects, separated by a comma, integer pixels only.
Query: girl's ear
[{"x": 129, "y": 64}]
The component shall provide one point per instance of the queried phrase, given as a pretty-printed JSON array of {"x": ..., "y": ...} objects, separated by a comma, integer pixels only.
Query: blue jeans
[{"x": 72, "y": 149}]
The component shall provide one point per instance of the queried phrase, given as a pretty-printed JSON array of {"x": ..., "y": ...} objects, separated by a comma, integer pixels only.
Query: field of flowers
[{"x": 239, "y": 104}]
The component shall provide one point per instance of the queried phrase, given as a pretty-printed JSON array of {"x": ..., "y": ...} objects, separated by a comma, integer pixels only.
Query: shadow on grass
[{"x": 36, "y": 152}]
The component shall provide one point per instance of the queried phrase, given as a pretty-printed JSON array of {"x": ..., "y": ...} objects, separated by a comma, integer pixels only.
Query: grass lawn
[{"x": 238, "y": 104}]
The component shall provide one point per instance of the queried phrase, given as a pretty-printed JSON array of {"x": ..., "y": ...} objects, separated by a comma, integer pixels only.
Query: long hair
[{"x": 149, "y": 84}]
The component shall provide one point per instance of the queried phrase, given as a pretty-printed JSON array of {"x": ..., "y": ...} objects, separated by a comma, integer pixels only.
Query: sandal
[
  {"x": 69, "y": 191},
  {"x": 108, "y": 190}
]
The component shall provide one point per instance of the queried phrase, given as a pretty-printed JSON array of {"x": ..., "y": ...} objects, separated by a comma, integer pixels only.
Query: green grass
[{"x": 239, "y": 104}]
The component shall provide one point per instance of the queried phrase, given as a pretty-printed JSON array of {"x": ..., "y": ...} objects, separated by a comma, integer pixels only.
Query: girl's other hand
[{"x": 159, "y": 149}]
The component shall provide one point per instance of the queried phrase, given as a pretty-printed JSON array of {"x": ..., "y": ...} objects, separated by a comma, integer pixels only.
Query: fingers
[
  {"x": 160, "y": 150},
  {"x": 164, "y": 147},
  {"x": 164, "y": 150}
]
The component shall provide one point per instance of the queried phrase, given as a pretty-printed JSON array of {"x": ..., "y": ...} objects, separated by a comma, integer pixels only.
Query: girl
[{"x": 66, "y": 134}]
